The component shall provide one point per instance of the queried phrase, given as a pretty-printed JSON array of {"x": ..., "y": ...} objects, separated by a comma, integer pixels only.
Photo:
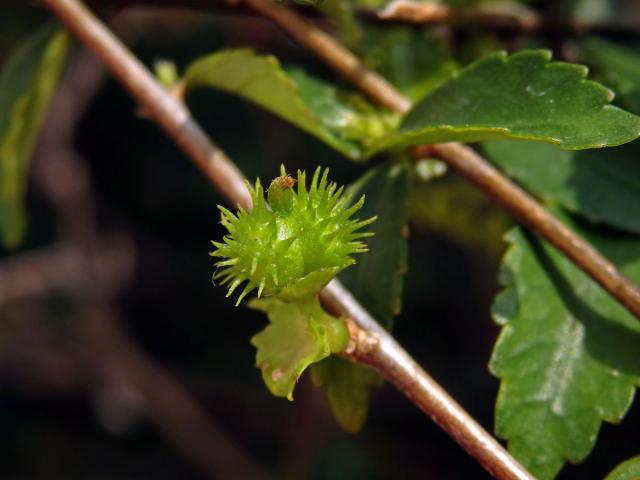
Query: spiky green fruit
[{"x": 293, "y": 245}]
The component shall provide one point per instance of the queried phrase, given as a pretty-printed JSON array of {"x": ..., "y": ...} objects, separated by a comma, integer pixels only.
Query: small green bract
[{"x": 293, "y": 245}]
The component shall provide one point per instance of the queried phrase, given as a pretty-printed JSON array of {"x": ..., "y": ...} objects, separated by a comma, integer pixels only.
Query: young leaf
[
  {"x": 629, "y": 470},
  {"x": 376, "y": 281},
  {"x": 619, "y": 66},
  {"x": 601, "y": 185},
  {"x": 348, "y": 388},
  {"x": 27, "y": 82},
  {"x": 299, "y": 334},
  {"x": 344, "y": 123},
  {"x": 567, "y": 355},
  {"x": 522, "y": 96}
]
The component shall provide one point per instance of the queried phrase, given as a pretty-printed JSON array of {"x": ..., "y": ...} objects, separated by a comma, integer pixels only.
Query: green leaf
[
  {"x": 522, "y": 96},
  {"x": 601, "y": 185},
  {"x": 568, "y": 355},
  {"x": 27, "y": 82},
  {"x": 344, "y": 122},
  {"x": 415, "y": 61},
  {"x": 300, "y": 333},
  {"x": 376, "y": 281},
  {"x": 629, "y": 470},
  {"x": 619, "y": 66},
  {"x": 348, "y": 388}
]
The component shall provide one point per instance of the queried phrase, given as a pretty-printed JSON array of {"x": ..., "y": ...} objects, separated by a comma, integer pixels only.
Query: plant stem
[
  {"x": 374, "y": 346},
  {"x": 392, "y": 361},
  {"x": 171, "y": 115},
  {"x": 94, "y": 271},
  {"x": 340, "y": 58},
  {"x": 476, "y": 169},
  {"x": 530, "y": 213}
]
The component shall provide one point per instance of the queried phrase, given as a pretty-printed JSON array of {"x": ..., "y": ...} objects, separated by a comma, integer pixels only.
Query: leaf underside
[
  {"x": 568, "y": 355},
  {"x": 522, "y": 96}
]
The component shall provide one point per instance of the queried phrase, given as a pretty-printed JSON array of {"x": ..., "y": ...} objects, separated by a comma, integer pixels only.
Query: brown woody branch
[
  {"x": 530, "y": 213},
  {"x": 501, "y": 15},
  {"x": 117, "y": 363},
  {"x": 386, "y": 356},
  {"x": 325, "y": 47}
]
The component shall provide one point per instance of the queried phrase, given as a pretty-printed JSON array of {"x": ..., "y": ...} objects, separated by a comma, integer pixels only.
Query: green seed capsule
[{"x": 294, "y": 245}]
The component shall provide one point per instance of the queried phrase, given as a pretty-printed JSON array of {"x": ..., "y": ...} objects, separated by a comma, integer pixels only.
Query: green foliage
[
  {"x": 629, "y": 470},
  {"x": 376, "y": 281},
  {"x": 299, "y": 333},
  {"x": 348, "y": 388},
  {"x": 346, "y": 122},
  {"x": 567, "y": 354},
  {"x": 558, "y": 381},
  {"x": 27, "y": 82},
  {"x": 290, "y": 249},
  {"x": 602, "y": 185},
  {"x": 529, "y": 98}
]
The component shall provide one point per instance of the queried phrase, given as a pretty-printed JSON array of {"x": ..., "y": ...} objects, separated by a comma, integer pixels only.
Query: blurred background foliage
[{"x": 60, "y": 420}]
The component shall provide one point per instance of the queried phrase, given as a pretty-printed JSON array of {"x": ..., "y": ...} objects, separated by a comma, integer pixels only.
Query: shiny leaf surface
[
  {"x": 522, "y": 96},
  {"x": 568, "y": 355}
]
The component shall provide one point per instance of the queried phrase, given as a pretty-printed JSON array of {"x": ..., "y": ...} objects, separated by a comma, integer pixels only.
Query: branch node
[{"x": 361, "y": 342}]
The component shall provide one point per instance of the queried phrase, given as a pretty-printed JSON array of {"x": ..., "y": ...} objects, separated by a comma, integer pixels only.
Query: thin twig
[
  {"x": 62, "y": 176},
  {"x": 392, "y": 361},
  {"x": 172, "y": 116},
  {"x": 531, "y": 214},
  {"x": 415, "y": 12},
  {"x": 506, "y": 14},
  {"x": 494, "y": 183},
  {"x": 344, "y": 62},
  {"x": 374, "y": 346}
]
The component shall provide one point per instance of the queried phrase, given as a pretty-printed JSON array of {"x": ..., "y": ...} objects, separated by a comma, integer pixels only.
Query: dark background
[{"x": 59, "y": 420}]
